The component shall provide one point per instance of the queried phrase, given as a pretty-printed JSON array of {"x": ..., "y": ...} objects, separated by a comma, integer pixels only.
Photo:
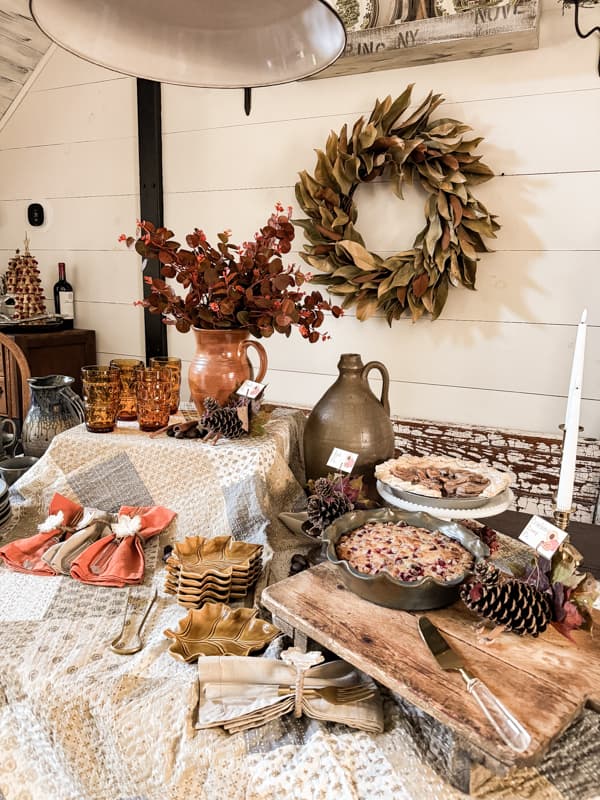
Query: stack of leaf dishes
[{"x": 216, "y": 570}]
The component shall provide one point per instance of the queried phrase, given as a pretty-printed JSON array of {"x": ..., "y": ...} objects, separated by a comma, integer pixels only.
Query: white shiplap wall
[
  {"x": 499, "y": 357},
  {"x": 72, "y": 145}
]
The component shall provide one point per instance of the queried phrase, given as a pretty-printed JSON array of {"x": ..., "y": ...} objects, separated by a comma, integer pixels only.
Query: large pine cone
[
  {"x": 224, "y": 421},
  {"x": 325, "y": 509},
  {"x": 519, "y": 606}
]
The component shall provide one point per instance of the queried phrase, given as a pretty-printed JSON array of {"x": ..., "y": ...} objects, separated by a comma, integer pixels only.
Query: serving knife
[{"x": 505, "y": 724}]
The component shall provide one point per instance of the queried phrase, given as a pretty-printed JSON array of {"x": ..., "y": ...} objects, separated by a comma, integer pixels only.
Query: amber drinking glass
[
  {"x": 101, "y": 397},
  {"x": 127, "y": 367},
  {"x": 153, "y": 390},
  {"x": 174, "y": 364}
]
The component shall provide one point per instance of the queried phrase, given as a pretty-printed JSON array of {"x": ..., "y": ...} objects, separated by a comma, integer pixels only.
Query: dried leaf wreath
[{"x": 435, "y": 153}]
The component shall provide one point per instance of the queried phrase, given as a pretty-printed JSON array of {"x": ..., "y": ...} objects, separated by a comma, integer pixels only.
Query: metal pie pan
[
  {"x": 437, "y": 502},
  {"x": 384, "y": 590}
]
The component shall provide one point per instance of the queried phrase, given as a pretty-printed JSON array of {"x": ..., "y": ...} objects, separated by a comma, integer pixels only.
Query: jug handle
[
  {"x": 13, "y": 429},
  {"x": 262, "y": 355},
  {"x": 385, "y": 376},
  {"x": 75, "y": 403}
]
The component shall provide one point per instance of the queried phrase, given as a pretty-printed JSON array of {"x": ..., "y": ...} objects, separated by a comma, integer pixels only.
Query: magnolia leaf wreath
[{"x": 415, "y": 148}]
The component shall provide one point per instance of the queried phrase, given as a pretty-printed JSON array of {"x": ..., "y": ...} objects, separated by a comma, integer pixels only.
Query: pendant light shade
[{"x": 213, "y": 43}]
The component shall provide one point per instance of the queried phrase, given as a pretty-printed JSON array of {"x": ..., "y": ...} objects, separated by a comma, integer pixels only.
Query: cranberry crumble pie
[{"x": 405, "y": 552}]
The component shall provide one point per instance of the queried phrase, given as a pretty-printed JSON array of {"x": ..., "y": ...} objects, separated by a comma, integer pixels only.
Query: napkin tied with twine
[
  {"x": 117, "y": 559},
  {"x": 242, "y": 692},
  {"x": 90, "y": 545},
  {"x": 26, "y": 555}
]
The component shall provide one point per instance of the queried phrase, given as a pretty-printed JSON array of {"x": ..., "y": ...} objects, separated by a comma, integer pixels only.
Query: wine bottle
[{"x": 63, "y": 297}]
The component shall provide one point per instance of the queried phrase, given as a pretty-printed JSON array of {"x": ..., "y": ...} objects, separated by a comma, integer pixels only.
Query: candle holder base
[{"x": 561, "y": 518}]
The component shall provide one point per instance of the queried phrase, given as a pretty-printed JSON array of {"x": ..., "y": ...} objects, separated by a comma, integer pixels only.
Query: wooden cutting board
[{"x": 545, "y": 682}]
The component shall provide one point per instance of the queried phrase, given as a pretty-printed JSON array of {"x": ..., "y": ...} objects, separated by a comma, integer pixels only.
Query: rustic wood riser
[{"x": 546, "y": 682}]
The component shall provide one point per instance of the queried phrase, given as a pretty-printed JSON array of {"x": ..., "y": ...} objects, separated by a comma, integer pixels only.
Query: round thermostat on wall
[{"x": 35, "y": 214}]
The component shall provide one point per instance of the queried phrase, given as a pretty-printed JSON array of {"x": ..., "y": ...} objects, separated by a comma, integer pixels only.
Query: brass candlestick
[{"x": 561, "y": 518}]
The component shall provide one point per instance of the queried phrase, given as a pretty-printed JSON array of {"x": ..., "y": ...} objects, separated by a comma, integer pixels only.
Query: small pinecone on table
[
  {"x": 224, "y": 421},
  {"x": 519, "y": 606},
  {"x": 326, "y": 505}
]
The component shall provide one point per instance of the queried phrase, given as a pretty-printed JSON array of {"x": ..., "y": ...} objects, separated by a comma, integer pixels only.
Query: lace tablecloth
[{"x": 78, "y": 722}]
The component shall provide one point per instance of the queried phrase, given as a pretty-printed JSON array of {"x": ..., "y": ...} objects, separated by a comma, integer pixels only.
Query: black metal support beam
[{"x": 151, "y": 196}]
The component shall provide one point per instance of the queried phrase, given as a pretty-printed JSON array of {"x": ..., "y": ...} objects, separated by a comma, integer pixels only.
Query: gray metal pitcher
[{"x": 54, "y": 408}]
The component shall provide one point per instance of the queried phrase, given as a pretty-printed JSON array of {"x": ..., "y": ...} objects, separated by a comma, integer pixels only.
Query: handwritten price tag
[
  {"x": 342, "y": 460},
  {"x": 251, "y": 389},
  {"x": 543, "y": 536}
]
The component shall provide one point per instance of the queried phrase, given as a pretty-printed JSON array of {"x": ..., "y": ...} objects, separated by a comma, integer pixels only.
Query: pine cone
[
  {"x": 322, "y": 488},
  {"x": 210, "y": 405},
  {"x": 485, "y": 572},
  {"x": 323, "y": 510},
  {"x": 224, "y": 421},
  {"x": 519, "y": 606}
]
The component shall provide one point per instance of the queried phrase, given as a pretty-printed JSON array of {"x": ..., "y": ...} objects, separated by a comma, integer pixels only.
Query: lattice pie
[
  {"x": 443, "y": 476},
  {"x": 404, "y": 551}
]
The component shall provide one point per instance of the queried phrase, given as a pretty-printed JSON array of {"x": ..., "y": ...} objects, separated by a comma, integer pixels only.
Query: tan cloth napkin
[
  {"x": 238, "y": 693},
  {"x": 92, "y": 526}
]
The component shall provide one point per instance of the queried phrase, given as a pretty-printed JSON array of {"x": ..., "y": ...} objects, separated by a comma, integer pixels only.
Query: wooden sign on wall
[{"x": 399, "y": 38}]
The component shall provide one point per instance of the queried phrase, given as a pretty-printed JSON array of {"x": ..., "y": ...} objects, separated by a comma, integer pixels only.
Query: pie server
[{"x": 507, "y": 727}]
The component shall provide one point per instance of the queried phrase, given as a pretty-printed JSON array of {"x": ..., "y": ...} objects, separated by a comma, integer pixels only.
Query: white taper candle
[{"x": 564, "y": 495}]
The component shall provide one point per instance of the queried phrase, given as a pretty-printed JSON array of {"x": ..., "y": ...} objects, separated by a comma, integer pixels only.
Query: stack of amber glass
[
  {"x": 101, "y": 397},
  {"x": 128, "y": 404},
  {"x": 153, "y": 394},
  {"x": 217, "y": 570},
  {"x": 174, "y": 365}
]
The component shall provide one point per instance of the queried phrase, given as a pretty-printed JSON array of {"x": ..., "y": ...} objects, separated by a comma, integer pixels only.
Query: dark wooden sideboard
[{"x": 55, "y": 353}]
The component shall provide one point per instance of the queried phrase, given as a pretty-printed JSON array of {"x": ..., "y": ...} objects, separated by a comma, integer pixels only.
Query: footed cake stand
[{"x": 495, "y": 505}]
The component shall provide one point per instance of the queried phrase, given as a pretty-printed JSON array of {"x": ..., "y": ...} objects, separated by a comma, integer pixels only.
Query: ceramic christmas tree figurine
[{"x": 24, "y": 284}]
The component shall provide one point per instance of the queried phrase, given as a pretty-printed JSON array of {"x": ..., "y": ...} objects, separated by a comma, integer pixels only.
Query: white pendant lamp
[{"x": 212, "y": 43}]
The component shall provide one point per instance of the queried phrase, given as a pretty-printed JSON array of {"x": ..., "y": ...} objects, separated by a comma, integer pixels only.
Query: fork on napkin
[{"x": 242, "y": 692}]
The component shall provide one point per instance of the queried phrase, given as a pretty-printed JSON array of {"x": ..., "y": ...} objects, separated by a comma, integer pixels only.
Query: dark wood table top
[{"x": 585, "y": 537}]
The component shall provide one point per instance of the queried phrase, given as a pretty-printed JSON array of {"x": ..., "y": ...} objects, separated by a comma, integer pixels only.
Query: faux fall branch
[{"x": 230, "y": 286}]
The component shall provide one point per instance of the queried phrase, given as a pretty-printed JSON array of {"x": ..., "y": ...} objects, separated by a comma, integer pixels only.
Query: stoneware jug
[
  {"x": 351, "y": 417},
  {"x": 220, "y": 364},
  {"x": 54, "y": 408}
]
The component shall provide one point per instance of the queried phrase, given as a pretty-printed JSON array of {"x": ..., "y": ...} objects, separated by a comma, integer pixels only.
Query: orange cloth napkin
[
  {"x": 118, "y": 559},
  {"x": 25, "y": 555}
]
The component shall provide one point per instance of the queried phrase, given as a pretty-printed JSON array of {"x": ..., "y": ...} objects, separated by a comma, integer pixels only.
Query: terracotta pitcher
[
  {"x": 351, "y": 417},
  {"x": 220, "y": 364}
]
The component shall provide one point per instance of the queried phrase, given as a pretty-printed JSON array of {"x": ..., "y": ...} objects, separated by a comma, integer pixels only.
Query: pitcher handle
[
  {"x": 385, "y": 376},
  {"x": 75, "y": 403},
  {"x": 262, "y": 355}
]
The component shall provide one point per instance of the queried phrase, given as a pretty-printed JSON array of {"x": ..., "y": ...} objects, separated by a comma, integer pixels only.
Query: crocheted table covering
[{"x": 79, "y": 722}]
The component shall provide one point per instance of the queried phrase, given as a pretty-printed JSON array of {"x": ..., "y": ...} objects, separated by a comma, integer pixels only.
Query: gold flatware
[
  {"x": 127, "y": 643},
  {"x": 339, "y": 695}
]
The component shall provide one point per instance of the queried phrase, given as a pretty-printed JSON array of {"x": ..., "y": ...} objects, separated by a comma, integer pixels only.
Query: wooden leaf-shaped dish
[
  {"x": 196, "y": 550},
  {"x": 218, "y": 630}
]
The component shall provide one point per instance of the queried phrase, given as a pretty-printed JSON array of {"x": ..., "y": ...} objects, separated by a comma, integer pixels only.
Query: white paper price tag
[
  {"x": 251, "y": 389},
  {"x": 342, "y": 460},
  {"x": 543, "y": 536}
]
